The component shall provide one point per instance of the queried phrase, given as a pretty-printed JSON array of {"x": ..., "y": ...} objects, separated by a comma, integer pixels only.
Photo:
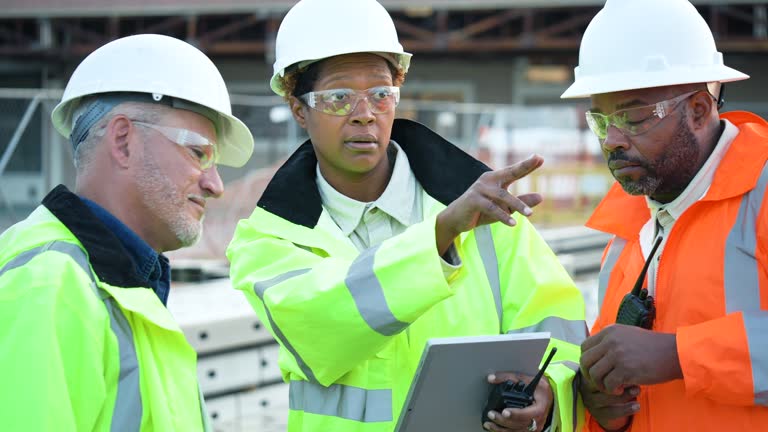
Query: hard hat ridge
[
  {"x": 633, "y": 44},
  {"x": 358, "y": 26},
  {"x": 159, "y": 67}
]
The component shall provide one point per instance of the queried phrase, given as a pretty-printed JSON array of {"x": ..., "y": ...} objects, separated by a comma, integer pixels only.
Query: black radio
[
  {"x": 511, "y": 394},
  {"x": 638, "y": 308}
]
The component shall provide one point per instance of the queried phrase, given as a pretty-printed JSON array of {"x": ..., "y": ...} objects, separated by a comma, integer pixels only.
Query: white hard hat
[
  {"x": 160, "y": 66},
  {"x": 317, "y": 29},
  {"x": 634, "y": 44}
]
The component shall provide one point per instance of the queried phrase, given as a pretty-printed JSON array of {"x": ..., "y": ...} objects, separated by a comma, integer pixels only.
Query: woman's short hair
[{"x": 298, "y": 81}]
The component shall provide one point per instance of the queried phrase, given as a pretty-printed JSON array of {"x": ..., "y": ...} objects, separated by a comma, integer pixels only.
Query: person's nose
[
  {"x": 362, "y": 113},
  {"x": 211, "y": 183},
  {"x": 614, "y": 139}
]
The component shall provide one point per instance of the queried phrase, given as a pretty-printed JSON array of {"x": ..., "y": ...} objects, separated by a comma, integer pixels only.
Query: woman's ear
[{"x": 299, "y": 111}]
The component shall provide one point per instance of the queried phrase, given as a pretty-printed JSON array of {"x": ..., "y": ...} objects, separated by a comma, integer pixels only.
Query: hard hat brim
[
  {"x": 595, "y": 84},
  {"x": 234, "y": 139},
  {"x": 235, "y": 142}
]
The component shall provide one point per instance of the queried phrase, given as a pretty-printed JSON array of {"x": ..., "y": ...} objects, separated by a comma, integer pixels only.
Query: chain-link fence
[{"x": 34, "y": 158}]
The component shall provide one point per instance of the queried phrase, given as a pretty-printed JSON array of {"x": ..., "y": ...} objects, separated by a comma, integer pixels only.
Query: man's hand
[
  {"x": 612, "y": 412},
  {"x": 621, "y": 356},
  {"x": 487, "y": 201},
  {"x": 521, "y": 419}
]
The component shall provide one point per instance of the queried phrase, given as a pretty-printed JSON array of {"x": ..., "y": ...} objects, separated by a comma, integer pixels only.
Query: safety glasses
[
  {"x": 199, "y": 147},
  {"x": 634, "y": 121},
  {"x": 341, "y": 102}
]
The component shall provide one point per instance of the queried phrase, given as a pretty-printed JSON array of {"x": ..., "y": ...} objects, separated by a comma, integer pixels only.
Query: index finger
[{"x": 507, "y": 175}]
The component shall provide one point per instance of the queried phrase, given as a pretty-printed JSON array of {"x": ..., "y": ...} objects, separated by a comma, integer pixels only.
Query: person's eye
[
  {"x": 381, "y": 93},
  {"x": 637, "y": 116},
  {"x": 335, "y": 96},
  {"x": 197, "y": 152}
]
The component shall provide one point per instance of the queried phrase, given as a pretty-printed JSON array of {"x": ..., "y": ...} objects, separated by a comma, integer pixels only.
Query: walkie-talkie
[
  {"x": 510, "y": 394},
  {"x": 637, "y": 308}
]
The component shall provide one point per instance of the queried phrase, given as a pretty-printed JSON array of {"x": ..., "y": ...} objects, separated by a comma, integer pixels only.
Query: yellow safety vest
[
  {"x": 79, "y": 354},
  {"x": 352, "y": 326}
]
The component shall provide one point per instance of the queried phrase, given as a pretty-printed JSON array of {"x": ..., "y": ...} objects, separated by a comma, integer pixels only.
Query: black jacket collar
[
  {"x": 106, "y": 253},
  {"x": 443, "y": 170}
]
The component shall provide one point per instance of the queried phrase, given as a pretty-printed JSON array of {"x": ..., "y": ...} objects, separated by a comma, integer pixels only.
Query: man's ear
[
  {"x": 299, "y": 111},
  {"x": 702, "y": 106},
  {"x": 118, "y": 134}
]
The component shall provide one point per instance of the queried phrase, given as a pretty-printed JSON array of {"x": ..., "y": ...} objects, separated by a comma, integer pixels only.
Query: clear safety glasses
[
  {"x": 634, "y": 121},
  {"x": 199, "y": 147},
  {"x": 341, "y": 102}
]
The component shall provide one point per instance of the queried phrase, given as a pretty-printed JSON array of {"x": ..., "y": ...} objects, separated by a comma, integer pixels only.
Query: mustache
[{"x": 620, "y": 155}]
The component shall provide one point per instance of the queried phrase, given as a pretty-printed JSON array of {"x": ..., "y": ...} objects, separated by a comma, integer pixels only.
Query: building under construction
[
  {"x": 471, "y": 57},
  {"x": 487, "y": 75}
]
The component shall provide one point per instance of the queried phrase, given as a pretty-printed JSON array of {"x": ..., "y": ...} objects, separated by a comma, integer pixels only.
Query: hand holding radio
[
  {"x": 612, "y": 412},
  {"x": 514, "y": 404}
]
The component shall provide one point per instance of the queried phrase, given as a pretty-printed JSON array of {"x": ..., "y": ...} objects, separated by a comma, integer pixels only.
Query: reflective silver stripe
[
  {"x": 369, "y": 297},
  {"x": 260, "y": 288},
  {"x": 127, "y": 415},
  {"x": 351, "y": 403},
  {"x": 742, "y": 284},
  {"x": 756, "y": 325},
  {"x": 487, "y": 251},
  {"x": 742, "y": 287},
  {"x": 617, "y": 246},
  {"x": 571, "y": 331},
  {"x": 575, "y": 388},
  {"x": 569, "y": 364},
  {"x": 70, "y": 249},
  {"x": 128, "y": 409},
  {"x": 204, "y": 411}
]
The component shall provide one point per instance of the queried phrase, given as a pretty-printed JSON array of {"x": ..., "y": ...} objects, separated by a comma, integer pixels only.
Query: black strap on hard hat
[
  {"x": 720, "y": 97},
  {"x": 103, "y": 103}
]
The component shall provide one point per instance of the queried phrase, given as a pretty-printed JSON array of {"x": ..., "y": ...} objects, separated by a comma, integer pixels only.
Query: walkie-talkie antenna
[
  {"x": 641, "y": 278},
  {"x": 535, "y": 381}
]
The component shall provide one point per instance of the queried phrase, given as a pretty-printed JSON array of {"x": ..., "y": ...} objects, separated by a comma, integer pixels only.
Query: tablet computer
[{"x": 451, "y": 387}]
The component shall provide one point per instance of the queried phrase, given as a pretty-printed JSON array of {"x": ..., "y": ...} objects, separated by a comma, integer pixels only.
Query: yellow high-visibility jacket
[
  {"x": 352, "y": 326},
  {"x": 84, "y": 347}
]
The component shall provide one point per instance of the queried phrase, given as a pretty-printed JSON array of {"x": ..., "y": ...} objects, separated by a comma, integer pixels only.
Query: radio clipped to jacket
[
  {"x": 638, "y": 308},
  {"x": 511, "y": 394}
]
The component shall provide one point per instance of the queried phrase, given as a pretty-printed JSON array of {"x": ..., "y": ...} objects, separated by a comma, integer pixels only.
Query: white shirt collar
[{"x": 397, "y": 200}]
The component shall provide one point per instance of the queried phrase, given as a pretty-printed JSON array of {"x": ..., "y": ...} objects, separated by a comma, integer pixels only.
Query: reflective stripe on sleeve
[
  {"x": 347, "y": 402},
  {"x": 756, "y": 325},
  {"x": 487, "y": 251},
  {"x": 742, "y": 284},
  {"x": 369, "y": 297},
  {"x": 260, "y": 288},
  {"x": 571, "y": 331},
  {"x": 742, "y": 288},
  {"x": 572, "y": 365},
  {"x": 575, "y": 388}
]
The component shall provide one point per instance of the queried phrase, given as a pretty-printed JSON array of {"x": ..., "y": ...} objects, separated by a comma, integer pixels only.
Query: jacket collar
[
  {"x": 107, "y": 255},
  {"x": 624, "y": 215},
  {"x": 443, "y": 170}
]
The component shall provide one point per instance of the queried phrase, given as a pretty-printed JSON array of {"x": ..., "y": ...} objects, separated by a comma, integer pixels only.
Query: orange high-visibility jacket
[{"x": 711, "y": 291}]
